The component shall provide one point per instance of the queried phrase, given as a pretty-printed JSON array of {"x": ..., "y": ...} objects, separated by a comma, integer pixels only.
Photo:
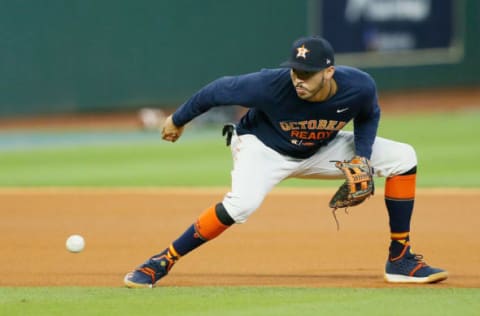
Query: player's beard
[{"x": 308, "y": 94}]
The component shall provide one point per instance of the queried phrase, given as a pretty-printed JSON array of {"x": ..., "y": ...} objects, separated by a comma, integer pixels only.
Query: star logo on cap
[
  {"x": 328, "y": 61},
  {"x": 302, "y": 52}
]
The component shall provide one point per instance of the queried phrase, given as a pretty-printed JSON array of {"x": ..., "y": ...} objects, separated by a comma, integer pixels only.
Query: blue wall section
[{"x": 70, "y": 56}]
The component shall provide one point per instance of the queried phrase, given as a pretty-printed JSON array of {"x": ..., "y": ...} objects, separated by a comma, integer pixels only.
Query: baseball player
[{"x": 293, "y": 128}]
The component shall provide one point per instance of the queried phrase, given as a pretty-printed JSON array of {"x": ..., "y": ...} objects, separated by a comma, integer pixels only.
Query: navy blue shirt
[{"x": 286, "y": 123}]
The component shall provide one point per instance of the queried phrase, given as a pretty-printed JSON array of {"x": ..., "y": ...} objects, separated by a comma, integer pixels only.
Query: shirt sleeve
[
  {"x": 366, "y": 123},
  {"x": 241, "y": 90}
]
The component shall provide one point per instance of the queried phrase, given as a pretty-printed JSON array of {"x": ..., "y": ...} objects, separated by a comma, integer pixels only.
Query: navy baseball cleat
[
  {"x": 147, "y": 274},
  {"x": 410, "y": 268}
]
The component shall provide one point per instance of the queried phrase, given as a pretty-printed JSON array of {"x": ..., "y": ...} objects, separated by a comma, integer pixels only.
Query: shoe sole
[
  {"x": 133, "y": 285},
  {"x": 399, "y": 278}
]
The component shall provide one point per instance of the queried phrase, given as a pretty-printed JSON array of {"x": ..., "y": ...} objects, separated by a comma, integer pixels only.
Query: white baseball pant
[{"x": 258, "y": 168}]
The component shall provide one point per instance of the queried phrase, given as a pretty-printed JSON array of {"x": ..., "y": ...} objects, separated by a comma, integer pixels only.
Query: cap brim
[{"x": 300, "y": 66}]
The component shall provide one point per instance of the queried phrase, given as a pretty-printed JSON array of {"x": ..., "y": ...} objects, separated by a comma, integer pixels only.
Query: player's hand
[{"x": 170, "y": 131}]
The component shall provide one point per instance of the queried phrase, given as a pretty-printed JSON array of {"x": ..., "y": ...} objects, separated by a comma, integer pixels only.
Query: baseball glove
[{"x": 358, "y": 185}]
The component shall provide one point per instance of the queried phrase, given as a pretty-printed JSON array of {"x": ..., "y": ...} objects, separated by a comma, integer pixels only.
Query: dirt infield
[{"x": 290, "y": 241}]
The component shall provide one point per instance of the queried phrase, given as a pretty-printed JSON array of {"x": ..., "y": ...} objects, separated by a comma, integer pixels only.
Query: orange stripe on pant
[
  {"x": 208, "y": 226},
  {"x": 400, "y": 187}
]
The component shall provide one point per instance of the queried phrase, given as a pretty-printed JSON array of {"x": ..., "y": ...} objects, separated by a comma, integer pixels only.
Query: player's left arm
[
  {"x": 359, "y": 184},
  {"x": 365, "y": 124}
]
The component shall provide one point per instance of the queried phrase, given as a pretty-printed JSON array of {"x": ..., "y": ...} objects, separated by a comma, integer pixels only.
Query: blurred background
[{"x": 123, "y": 65}]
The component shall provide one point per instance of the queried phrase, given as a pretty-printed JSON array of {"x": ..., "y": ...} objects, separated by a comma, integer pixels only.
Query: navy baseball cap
[{"x": 311, "y": 53}]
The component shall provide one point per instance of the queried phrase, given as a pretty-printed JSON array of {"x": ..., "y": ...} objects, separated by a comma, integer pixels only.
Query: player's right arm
[
  {"x": 245, "y": 90},
  {"x": 170, "y": 131}
]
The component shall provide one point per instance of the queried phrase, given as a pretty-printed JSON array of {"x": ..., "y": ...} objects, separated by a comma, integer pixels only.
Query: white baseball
[{"x": 75, "y": 243}]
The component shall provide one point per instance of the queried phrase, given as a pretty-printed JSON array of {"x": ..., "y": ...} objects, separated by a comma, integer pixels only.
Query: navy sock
[
  {"x": 188, "y": 241},
  {"x": 400, "y": 214},
  {"x": 395, "y": 249}
]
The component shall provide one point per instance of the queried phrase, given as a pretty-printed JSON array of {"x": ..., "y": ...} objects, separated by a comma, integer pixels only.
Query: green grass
[
  {"x": 238, "y": 301},
  {"x": 446, "y": 144},
  {"x": 145, "y": 164}
]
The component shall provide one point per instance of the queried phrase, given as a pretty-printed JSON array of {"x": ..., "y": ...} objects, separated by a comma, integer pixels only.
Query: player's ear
[{"x": 329, "y": 72}]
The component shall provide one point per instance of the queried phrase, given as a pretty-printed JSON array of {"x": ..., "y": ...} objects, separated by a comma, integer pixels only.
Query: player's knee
[
  {"x": 240, "y": 208},
  {"x": 408, "y": 158},
  {"x": 396, "y": 158},
  {"x": 400, "y": 160}
]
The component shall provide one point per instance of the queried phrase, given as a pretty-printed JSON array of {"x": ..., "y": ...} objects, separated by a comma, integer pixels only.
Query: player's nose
[{"x": 297, "y": 81}]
